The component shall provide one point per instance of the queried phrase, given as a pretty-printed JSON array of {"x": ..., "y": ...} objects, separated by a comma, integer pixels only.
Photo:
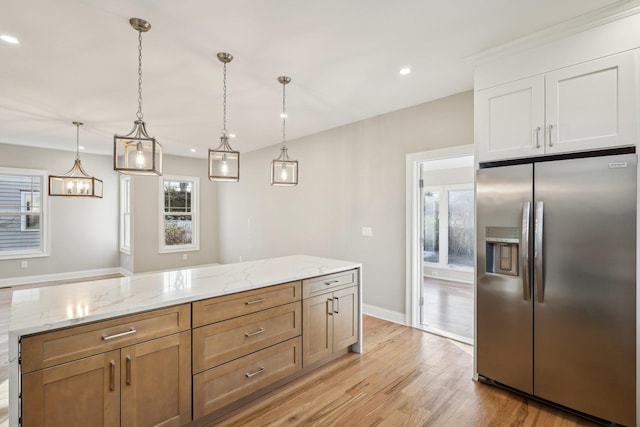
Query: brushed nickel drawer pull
[
  {"x": 331, "y": 282},
  {"x": 330, "y": 309},
  {"x": 112, "y": 375},
  {"x": 251, "y": 374},
  {"x": 255, "y": 301},
  {"x": 250, "y": 334},
  {"x": 336, "y": 309},
  {"x": 128, "y": 370},
  {"x": 106, "y": 337}
]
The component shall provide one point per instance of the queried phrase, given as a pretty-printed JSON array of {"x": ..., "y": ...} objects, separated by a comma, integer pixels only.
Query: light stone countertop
[{"x": 51, "y": 307}]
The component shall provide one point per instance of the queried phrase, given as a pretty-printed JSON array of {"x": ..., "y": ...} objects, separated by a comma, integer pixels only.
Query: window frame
[
  {"x": 44, "y": 249},
  {"x": 195, "y": 215},
  {"x": 126, "y": 225},
  {"x": 443, "y": 231}
]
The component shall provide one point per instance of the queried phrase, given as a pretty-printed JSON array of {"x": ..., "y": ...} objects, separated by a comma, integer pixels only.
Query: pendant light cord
[
  {"x": 139, "y": 113},
  {"x": 77, "y": 140},
  {"x": 284, "y": 116},
  {"x": 224, "y": 99}
]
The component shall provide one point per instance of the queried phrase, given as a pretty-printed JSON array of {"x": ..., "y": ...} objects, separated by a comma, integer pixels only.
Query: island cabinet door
[
  {"x": 82, "y": 393},
  {"x": 345, "y": 318},
  {"x": 156, "y": 382},
  {"x": 317, "y": 328}
]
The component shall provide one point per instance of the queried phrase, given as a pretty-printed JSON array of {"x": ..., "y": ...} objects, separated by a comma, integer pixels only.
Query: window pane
[
  {"x": 177, "y": 196},
  {"x": 461, "y": 227},
  {"x": 431, "y": 226},
  {"x": 177, "y": 230},
  {"x": 20, "y": 231}
]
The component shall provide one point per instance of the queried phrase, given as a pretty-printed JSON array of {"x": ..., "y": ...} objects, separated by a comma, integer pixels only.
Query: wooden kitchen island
[{"x": 179, "y": 347}]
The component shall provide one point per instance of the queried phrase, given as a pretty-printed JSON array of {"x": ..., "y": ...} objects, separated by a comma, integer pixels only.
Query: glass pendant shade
[
  {"x": 284, "y": 170},
  {"x": 224, "y": 163},
  {"x": 76, "y": 182},
  {"x": 137, "y": 153}
]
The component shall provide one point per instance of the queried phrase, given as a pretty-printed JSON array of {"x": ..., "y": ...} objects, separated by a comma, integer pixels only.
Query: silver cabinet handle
[
  {"x": 330, "y": 309},
  {"x": 550, "y": 138},
  {"x": 331, "y": 282},
  {"x": 538, "y": 137},
  {"x": 252, "y": 374},
  {"x": 131, "y": 330},
  {"x": 128, "y": 359},
  {"x": 539, "y": 251},
  {"x": 250, "y": 334},
  {"x": 112, "y": 375},
  {"x": 524, "y": 251},
  {"x": 336, "y": 308},
  {"x": 255, "y": 301}
]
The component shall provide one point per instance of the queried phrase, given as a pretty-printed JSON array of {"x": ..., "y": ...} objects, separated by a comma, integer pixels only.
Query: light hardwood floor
[
  {"x": 406, "y": 377},
  {"x": 448, "y": 307}
]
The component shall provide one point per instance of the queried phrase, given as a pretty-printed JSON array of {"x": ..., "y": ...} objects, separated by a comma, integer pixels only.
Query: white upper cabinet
[{"x": 584, "y": 107}]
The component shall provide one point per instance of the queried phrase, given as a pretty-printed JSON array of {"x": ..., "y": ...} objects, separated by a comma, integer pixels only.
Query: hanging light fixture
[
  {"x": 137, "y": 153},
  {"x": 76, "y": 182},
  {"x": 284, "y": 170},
  {"x": 224, "y": 163}
]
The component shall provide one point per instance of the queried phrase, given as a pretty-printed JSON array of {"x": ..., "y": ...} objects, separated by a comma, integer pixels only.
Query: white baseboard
[
  {"x": 17, "y": 281},
  {"x": 383, "y": 313}
]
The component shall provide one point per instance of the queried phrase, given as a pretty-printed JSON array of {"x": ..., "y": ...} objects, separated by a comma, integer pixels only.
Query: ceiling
[{"x": 77, "y": 60}]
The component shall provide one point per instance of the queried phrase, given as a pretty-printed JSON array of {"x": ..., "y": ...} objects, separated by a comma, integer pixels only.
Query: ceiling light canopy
[
  {"x": 76, "y": 182},
  {"x": 224, "y": 162},
  {"x": 284, "y": 170},
  {"x": 137, "y": 153}
]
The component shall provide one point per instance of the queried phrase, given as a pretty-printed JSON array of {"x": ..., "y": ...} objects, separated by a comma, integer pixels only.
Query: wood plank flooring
[
  {"x": 406, "y": 377},
  {"x": 448, "y": 307}
]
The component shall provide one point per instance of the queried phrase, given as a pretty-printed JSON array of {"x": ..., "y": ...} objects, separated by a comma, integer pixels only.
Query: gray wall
[
  {"x": 84, "y": 233},
  {"x": 146, "y": 217},
  {"x": 350, "y": 177}
]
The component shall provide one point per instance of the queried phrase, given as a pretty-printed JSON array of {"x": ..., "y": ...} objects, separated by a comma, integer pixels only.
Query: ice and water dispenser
[{"x": 503, "y": 244}]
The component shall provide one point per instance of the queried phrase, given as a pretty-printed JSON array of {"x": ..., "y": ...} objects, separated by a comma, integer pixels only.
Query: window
[
  {"x": 179, "y": 221},
  {"x": 125, "y": 214},
  {"x": 448, "y": 242},
  {"x": 23, "y": 214}
]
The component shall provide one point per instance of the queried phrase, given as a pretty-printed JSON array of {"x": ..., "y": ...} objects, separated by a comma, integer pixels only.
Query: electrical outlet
[
  {"x": 185, "y": 257},
  {"x": 24, "y": 264},
  {"x": 367, "y": 231}
]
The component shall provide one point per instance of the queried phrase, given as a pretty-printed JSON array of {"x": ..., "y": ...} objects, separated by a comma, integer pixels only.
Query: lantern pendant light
[
  {"x": 224, "y": 162},
  {"x": 76, "y": 182},
  {"x": 137, "y": 153},
  {"x": 284, "y": 170}
]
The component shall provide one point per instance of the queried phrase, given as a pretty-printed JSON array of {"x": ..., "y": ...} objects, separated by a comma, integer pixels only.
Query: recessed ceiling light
[
  {"x": 283, "y": 115},
  {"x": 404, "y": 71},
  {"x": 193, "y": 150},
  {"x": 81, "y": 147},
  {"x": 232, "y": 135},
  {"x": 9, "y": 39}
]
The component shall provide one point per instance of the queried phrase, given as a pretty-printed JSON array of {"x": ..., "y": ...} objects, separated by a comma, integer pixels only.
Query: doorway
[{"x": 440, "y": 196}]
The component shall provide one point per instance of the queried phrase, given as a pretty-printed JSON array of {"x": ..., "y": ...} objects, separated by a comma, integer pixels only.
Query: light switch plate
[{"x": 367, "y": 231}]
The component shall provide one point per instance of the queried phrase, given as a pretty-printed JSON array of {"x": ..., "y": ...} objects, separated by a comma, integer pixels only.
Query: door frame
[{"x": 413, "y": 252}]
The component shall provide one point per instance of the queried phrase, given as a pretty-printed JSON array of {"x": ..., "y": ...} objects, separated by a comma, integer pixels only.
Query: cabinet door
[
  {"x": 156, "y": 382},
  {"x": 591, "y": 105},
  {"x": 82, "y": 393},
  {"x": 509, "y": 120},
  {"x": 317, "y": 328},
  {"x": 345, "y": 318}
]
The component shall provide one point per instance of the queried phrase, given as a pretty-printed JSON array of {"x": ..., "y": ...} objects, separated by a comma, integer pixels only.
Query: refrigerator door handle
[
  {"x": 539, "y": 251},
  {"x": 524, "y": 252}
]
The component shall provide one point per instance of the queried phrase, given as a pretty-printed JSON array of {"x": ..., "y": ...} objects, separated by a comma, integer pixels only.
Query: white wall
[
  {"x": 350, "y": 177},
  {"x": 84, "y": 233}
]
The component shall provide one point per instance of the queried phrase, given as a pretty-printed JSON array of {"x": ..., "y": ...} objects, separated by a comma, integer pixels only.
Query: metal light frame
[
  {"x": 137, "y": 153},
  {"x": 224, "y": 161},
  {"x": 284, "y": 170},
  {"x": 76, "y": 182}
]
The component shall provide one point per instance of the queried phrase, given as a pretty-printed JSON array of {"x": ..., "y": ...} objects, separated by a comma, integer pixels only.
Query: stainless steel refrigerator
[{"x": 556, "y": 280}]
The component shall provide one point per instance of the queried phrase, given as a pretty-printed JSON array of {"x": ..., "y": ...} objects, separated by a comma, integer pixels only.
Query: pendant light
[
  {"x": 76, "y": 182},
  {"x": 137, "y": 153},
  {"x": 284, "y": 170},
  {"x": 224, "y": 163}
]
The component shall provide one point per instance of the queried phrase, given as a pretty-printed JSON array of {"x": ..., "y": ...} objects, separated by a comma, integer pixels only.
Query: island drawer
[
  {"x": 329, "y": 283},
  {"x": 222, "y": 342},
  {"x": 220, "y": 386},
  {"x": 229, "y": 306},
  {"x": 53, "y": 348}
]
